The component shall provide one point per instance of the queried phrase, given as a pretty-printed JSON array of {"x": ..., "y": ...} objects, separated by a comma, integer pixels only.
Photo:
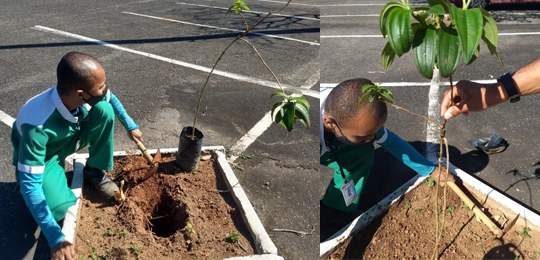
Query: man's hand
[
  {"x": 471, "y": 97},
  {"x": 445, "y": 175},
  {"x": 63, "y": 251},
  {"x": 136, "y": 134}
]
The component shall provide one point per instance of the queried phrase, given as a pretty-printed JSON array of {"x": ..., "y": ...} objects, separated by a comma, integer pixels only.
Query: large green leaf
[
  {"x": 469, "y": 25},
  {"x": 289, "y": 116},
  {"x": 388, "y": 56},
  {"x": 399, "y": 29},
  {"x": 444, "y": 3},
  {"x": 449, "y": 51},
  {"x": 437, "y": 9},
  {"x": 490, "y": 33},
  {"x": 302, "y": 114},
  {"x": 384, "y": 13},
  {"x": 425, "y": 51}
]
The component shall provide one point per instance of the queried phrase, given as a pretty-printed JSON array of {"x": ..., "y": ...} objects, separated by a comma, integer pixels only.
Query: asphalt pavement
[
  {"x": 351, "y": 44},
  {"x": 156, "y": 55}
]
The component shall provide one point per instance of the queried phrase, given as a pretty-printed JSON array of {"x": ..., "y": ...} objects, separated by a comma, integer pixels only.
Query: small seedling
[
  {"x": 430, "y": 182},
  {"x": 450, "y": 209},
  {"x": 109, "y": 232},
  {"x": 93, "y": 254},
  {"x": 420, "y": 209},
  {"x": 408, "y": 204},
  {"x": 525, "y": 232},
  {"x": 123, "y": 234},
  {"x": 465, "y": 207},
  {"x": 233, "y": 237},
  {"x": 190, "y": 230},
  {"x": 135, "y": 250},
  {"x": 107, "y": 253}
]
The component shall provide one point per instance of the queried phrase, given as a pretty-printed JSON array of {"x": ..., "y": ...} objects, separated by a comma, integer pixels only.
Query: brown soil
[
  {"x": 168, "y": 216},
  {"x": 407, "y": 231}
]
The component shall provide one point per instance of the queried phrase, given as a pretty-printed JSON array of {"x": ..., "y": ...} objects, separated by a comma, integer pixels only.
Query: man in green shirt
[
  {"x": 349, "y": 131},
  {"x": 79, "y": 111}
]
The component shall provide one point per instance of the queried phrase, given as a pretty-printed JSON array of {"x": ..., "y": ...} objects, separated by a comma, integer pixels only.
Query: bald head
[
  {"x": 343, "y": 102},
  {"x": 74, "y": 71}
]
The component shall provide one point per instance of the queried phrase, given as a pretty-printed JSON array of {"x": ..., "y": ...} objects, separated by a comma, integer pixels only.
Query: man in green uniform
[
  {"x": 349, "y": 131},
  {"x": 79, "y": 111}
]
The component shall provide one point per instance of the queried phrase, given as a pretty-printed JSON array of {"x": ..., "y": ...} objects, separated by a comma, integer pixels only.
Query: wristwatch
[{"x": 510, "y": 86}]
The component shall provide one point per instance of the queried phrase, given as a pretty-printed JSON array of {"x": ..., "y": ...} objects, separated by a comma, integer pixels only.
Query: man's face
[
  {"x": 360, "y": 129},
  {"x": 97, "y": 83}
]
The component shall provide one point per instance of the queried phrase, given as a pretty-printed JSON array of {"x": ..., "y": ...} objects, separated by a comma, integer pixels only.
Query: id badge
[{"x": 349, "y": 193}]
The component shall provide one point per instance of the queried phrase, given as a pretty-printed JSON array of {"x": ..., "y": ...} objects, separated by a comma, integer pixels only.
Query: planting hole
[{"x": 168, "y": 216}]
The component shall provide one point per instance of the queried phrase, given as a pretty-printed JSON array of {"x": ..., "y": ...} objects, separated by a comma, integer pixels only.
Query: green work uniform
[
  {"x": 43, "y": 135},
  {"x": 355, "y": 162}
]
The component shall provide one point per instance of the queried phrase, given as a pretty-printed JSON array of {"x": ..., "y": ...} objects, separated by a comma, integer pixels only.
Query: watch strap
[{"x": 510, "y": 86}]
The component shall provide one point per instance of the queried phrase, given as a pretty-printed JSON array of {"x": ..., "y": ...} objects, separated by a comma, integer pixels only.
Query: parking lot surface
[
  {"x": 157, "y": 55},
  {"x": 351, "y": 44}
]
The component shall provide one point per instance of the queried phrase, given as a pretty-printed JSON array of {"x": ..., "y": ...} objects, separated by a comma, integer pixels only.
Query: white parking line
[
  {"x": 257, "y": 130},
  {"x": 254, "y": 12},
  {"x": 311, "y": 81},
  {"x": 221, "y": 28},
  {"x": 349, "y": 15},
  {"x": 412, "y": 84},
  {"x": 231, "y": 75},
  {"x": 281, "y": 2},
  {"x": 6, "y": 119},
  {"x": 380, "y": 36}
]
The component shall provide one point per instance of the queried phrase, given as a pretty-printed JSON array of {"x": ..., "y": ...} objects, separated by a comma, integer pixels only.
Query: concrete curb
[
  {"x": 264, "y": 245},
  {"x": 336, "y": 240}
]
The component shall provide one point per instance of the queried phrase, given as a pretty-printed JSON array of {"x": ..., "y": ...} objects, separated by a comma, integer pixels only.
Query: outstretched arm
[
  {"x": 472, "y": 97},
  {"x": 405, "y": 153},
  {"x": 128, "y": 122}
]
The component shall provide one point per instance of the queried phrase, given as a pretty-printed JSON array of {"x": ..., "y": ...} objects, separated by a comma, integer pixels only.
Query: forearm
[
  {"x": 35, "y": 201},
  {"x": 528, "y": 79},
  {"x": 409, "y": 156},
  {"x": 128, "y": 122}
]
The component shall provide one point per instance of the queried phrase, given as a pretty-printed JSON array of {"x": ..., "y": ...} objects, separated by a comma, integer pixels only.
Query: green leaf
[
  {"x": 302, "y": 114},
  {"x": 364, "y": 98},
  {"x": 388, "y": 97},
  {"x": 400, "y": 33},
  {"x": 469, "y": 25},
  {"x": 437, "y": 9},
  {"x": 303, "y": 101},
  {"x": 238, "y": 6},
  {"x": 387, "y": 56},
  {"x": 490, "y": 34},
  {"x": 384, "y": 13},
  {"x": 444, "y": 3},
  {"x": 279, "y": 94},
  {"x": 289, "y": 116},
  {"x": 425, "y": 51},
  {"x": 277, "y": 112},
  {"x": 449, "y": 51}
]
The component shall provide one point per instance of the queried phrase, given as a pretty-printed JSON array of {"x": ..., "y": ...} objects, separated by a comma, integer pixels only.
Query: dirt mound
[
  {"x": 407, "y": 231},
  {"x": 172, "y": 215}
]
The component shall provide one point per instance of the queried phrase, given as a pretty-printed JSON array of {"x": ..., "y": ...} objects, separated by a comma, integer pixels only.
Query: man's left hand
[{"x": 135, "y": 134}]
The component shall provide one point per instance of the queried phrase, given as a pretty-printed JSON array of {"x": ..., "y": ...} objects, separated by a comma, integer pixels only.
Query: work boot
[{"x": 100, "y": 181}]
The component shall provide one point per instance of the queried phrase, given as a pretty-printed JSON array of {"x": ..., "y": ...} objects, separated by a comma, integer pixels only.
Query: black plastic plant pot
[{"x": 189, "y": 149}]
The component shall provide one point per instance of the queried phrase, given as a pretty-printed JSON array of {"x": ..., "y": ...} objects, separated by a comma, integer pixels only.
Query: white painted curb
[
  {"x": 328, "y": 246},
  {"x": 261, "y": 239}
]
